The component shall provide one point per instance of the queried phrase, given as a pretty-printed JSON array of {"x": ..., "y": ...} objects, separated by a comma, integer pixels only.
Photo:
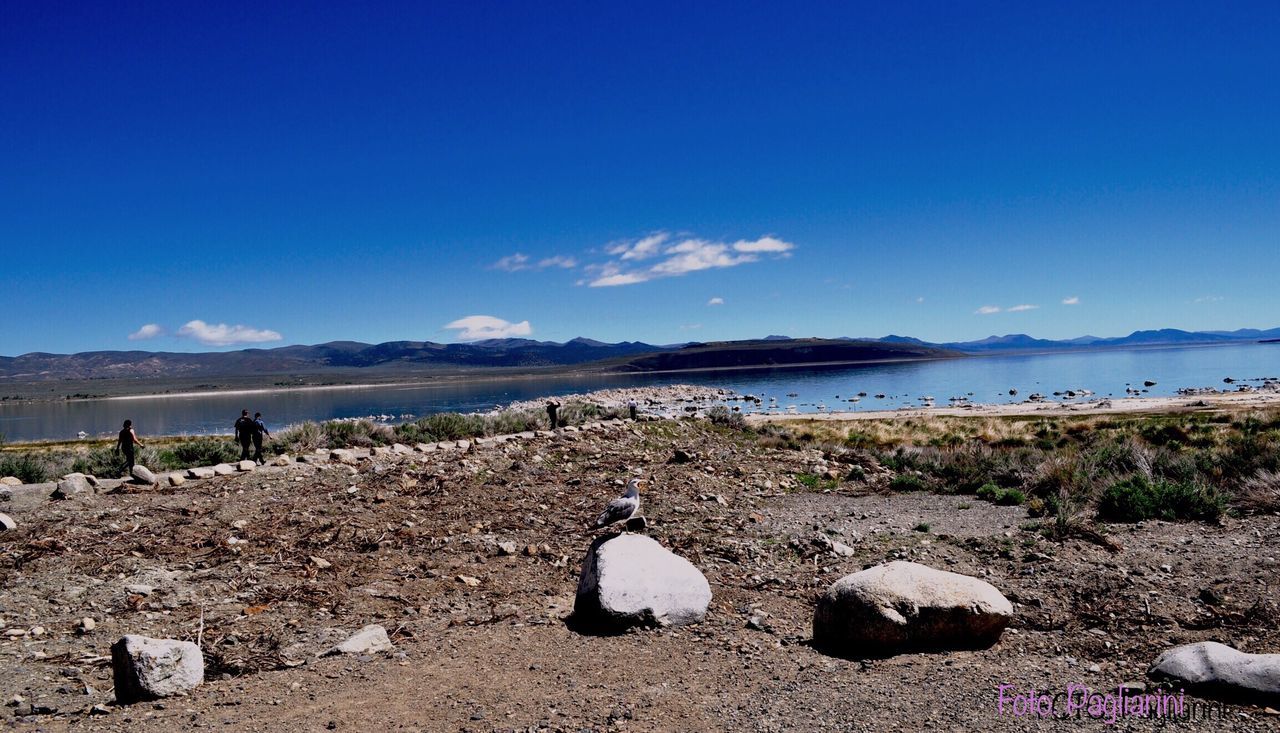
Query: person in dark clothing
[
  {"x": 125, "y": 443},
  {"x": 260, "y": 429},
  {"x": 244, "y": 433},
  {"x": 552, "y": 407}
]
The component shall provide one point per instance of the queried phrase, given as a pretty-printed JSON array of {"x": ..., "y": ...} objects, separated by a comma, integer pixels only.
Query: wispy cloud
[
  {"x": 477, "y": 328},
  {"x": 716, "y": 301},
  {"x": 1209, "y": 299},
  {"x": 220, "y": 334},
  {"x": 519, "y": 261},
  {"x": 920, "y": 299},
  {"x": 1022, "y": 307},
  {"x": 148, "y": 331},
  {"x": 1073, "y": 300},
  {"x": 677, "y": 258},
  {"x": 987, "y": 310}
]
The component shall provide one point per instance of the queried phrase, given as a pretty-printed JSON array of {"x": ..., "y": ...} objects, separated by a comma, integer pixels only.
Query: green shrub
[
  {"x": 25, "y": 466},
  {"x": 908, "y": 482},
  {"x": 1138, "y": 498},
  {"x": 196, "y": 452},
  {"x": 998, "y": 495},
  {"x": 721, "y": 415}
]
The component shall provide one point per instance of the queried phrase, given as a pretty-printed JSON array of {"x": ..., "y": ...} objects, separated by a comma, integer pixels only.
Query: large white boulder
[
  {"x": 901, "y": 606},
  {"x": 6, "y": 523},
  {"x": 146, "y": 669},
  {"x": 1210, "y": 667},
  {"x": 73, "y": 484},
  {"x": 369, "y": 640},
  {"x": 142, "y": 475},
  {"x": 631, "y": 580}
]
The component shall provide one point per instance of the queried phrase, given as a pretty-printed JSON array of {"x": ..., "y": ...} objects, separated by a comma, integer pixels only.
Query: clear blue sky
[{"x": 285, "y": 173}]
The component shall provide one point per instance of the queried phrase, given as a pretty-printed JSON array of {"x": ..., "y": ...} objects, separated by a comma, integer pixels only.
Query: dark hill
[{"x": 762, "y": 353}]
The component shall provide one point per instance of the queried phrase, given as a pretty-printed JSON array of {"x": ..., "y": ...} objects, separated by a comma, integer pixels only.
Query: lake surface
[{"x": 982, "y": 379}]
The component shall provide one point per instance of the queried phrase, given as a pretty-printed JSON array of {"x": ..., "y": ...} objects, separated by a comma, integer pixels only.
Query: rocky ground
[{"x": 470, "y": 560}]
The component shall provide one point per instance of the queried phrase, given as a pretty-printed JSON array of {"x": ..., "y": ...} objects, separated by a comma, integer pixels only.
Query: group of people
[{"x": 249, "y": 431}]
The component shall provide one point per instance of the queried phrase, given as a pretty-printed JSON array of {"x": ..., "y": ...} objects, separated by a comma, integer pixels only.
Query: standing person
[
  {"x": 552, "y": 406},
  {"x": 259, "y": 430},
  {"x": 244, "y": 433},
  {"x": 631, "y": 407},
  {"x": 124, "y": 444}
]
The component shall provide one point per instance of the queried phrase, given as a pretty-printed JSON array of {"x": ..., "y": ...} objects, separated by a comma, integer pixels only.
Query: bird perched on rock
[{"x": 623, "y": 508}]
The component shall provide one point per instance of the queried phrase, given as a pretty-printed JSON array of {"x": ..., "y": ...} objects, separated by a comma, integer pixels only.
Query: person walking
[
  {"x": 125, "y": 443},
  {"x": 259, "y": 430},
  {"x": 244, "y": 433},
  {"x": 552, "y": 407}
]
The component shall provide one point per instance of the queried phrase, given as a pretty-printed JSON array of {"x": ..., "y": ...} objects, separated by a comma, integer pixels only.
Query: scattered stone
[
  {"x": 469, "y": 580},
  {"x": 6, "y": 523},
  {"x": 143, "y": 475},
  {"x": 508, "y": 548},
  {"x": 401, "y": 449},
  {"x": 463, "y": 445},
  {"x": 224, "y": 469},
  {"x": 139, "y": 589},
  {"x": 369, "y": 640},
  {"x": 1216, "y": 669},
  {"x": 176, "y": 479},
  {"x": 901, "y": 605},
  {"x": 314, "y": 458},
  {"x": 147, "y": 669},
  {"x": 320, "y": 562},
  {"x": 632, "y": 580},
  {"x": 245, "y": 466},
  {"x": 425, "y": 447},
  {"x": 86, "y": 625},
  {"x": 380, "y": 450},
  {"x": 344, "y": 456},
  {"x": 282, "y": 461},
  {"x": 11, "y": 481},
  {"x": 200, "y": 472}
]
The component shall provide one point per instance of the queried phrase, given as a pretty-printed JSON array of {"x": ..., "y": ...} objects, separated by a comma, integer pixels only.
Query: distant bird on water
[{"x": 623, "y": 508}]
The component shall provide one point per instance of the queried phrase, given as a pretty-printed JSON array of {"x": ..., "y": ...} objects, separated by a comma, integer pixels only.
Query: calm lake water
[{"x": 987, "y": 378}]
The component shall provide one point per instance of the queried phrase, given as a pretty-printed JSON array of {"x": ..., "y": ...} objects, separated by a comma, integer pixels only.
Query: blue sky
[{"x": 272, "y": 173}]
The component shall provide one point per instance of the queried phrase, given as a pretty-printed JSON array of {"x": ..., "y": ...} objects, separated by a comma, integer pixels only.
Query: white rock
[
  {"x": 146, "y": 669},
  {"x": 142, "y": 475},
  {"x": 369, "y": 640},
  {"x": 282, "y": 460},
  {"x": 902, "y": 605},
  {"x": 176, "y": 479},
  {"x": 630, "y": 580},
  {"x": 224, "y": 469},
  {"x": 72, "y": 485},
  {"x": 7, "y": 523},
  {"x": 11, "y": 481},
  {"x": 201, "y": 472},
  {"x": 342, "y": 455},
  {"x": 401, "y": 449},
  {"x": 1215, "y": 668},
  {"x": 425, "y": 447},
  {"x": 246, "y": 466}
]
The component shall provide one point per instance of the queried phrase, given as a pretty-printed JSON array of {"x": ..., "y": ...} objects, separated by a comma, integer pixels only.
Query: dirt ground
[{"x": 471, "y": 562}]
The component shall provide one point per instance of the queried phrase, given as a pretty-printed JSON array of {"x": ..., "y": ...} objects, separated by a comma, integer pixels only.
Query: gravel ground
[{"x": 471, "y": 560}]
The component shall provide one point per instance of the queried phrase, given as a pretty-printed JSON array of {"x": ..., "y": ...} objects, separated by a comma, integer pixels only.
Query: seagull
[{"x": 623, "y": 508}]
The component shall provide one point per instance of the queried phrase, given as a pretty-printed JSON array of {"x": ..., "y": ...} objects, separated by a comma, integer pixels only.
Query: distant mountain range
[{"x": 425, "y": 356}]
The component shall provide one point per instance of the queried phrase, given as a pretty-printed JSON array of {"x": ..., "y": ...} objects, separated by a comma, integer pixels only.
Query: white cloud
[
  {"x": 564, "y": 262},
  {"x": 512, "y": 263},
  {"x": 987, "y": 310},
  {"x": 920, "y": 299},
  {"x": 477, "y": 328},
  {"x": 149, "y": 331},
  {"x": 716, "y": 301},
  {"x": 1023, "y": 307},
  {"x": 221, "y": 334},
  {"x": 680, "y": 258},
  {"x": 1209, "y": 299},
  {"x": 520, "y": 261},
  {"x": 1073, "y": 300}
]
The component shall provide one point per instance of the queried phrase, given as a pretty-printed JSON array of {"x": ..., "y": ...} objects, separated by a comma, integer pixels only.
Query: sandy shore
[{"x": 1177, "y": 403}]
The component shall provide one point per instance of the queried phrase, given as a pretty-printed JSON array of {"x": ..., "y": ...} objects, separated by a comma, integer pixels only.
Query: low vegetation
[{"x": 1181, "y": 467}]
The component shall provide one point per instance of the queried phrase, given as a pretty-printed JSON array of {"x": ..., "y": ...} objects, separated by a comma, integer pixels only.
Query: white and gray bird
[{"x": 623, "y": 508}]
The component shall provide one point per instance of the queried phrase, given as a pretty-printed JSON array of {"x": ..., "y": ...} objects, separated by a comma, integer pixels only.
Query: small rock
[
  {"x": 72, "y": 485},
  {"x": 6, "y": 523},
  {"x": 245, "y": 466},
  {"x": 369, "y": 640},
  {"x": 1217, "y": 669},
  {"x": 320, "y": 562},
  {"x": 469, "y": 580},
  {"x": 138, "y": 589},
  {"x": 10, "y": 481},
  {"x": 200, "y": 472},
  {"x": 508, "y": 548},
  {"x": 147, "y": 669},
  {"x": 282, "y": 461},
  {"x": 224, "y": 469},
  {"x": 176, "y": 479},
  {"x": 86, "y": 625}
]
